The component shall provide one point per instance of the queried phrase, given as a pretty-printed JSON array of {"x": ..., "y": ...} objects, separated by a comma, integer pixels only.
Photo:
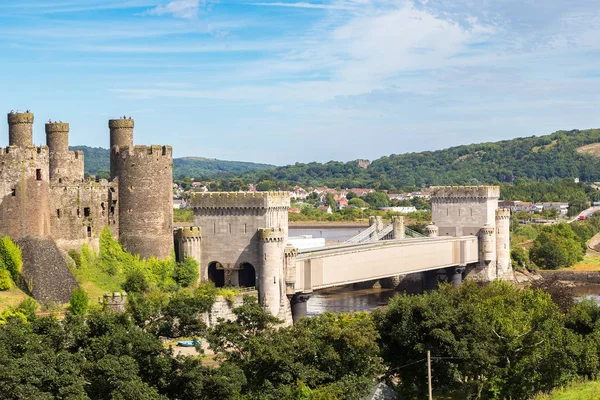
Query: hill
[
  {"x": 563, "y": 154},
  {"x": 97, "y": 162}
]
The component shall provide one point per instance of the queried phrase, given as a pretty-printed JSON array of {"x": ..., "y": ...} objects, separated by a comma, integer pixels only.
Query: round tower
[
  {"x": 145, "y": 199},
  {"x": 272, "y": 246},
  {"x": 503, "y": 264},
  {"x": 488, "y": 244},
  {"x": 431, "y": 230},
  {"x": 20, "y": 129},
  {"x": 121, "y": 135},
  {"x": 398, "y": 227},
  {"x": 188, "y": 243},
  {"x": 57, "y": 140}
]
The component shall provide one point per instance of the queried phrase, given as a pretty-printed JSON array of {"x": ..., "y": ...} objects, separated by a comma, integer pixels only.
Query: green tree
[
  {"x": 79, "y": 301},
  {"x": 186, "y": 272},
  {"x": 377, "y": 199}
]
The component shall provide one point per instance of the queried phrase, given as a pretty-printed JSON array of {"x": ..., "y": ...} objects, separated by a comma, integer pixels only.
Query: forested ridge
[
  {"x": 97, "y": 162},
  {"x": 543, "y": 158}
]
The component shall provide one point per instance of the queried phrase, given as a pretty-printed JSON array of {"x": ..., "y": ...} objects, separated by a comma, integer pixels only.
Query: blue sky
[{"x": 286, "y": 81}]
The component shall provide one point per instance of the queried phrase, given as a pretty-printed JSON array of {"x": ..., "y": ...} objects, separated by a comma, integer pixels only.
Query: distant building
[
  {"x": 326, "y": 209},
  {"x": 363, "y": 163},
  {"x": 294, "y": 210}
]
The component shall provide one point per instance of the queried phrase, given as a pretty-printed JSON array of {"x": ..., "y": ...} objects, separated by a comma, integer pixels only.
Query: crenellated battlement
[
  {"x": 503, "y": 213},
  {"x": 13, "y": 152},
  {"x": 120, "y": 123},
  {"x": 53, "y": 127},
  {"x": 272, "y": 235},
  {"x": 464, "y": 192},
  {"x": 191, "y": 232},
  {"x": 20, "y": 118},
  {"x": 213, "y": 200},
  {"x": 141, "y": 151}
]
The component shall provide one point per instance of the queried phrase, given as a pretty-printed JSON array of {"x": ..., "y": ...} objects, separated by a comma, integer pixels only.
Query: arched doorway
[
  {"x": 216, "y": 273},
  {"x": 247, "y": 275}
]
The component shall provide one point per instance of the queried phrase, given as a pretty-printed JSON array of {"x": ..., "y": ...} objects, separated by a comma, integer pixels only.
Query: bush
[
  {"x": 10, "y": 257},
  {"x": 186, "y": 272},
  {"x": 5, "y": 281},
  {"x": 28, "y": 307},
  {"x": 136, "y": 281},
  {"x": 79, "y": 302}
]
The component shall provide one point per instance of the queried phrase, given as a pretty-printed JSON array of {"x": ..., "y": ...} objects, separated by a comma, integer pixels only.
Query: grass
[
  {"x": 576, "y": 391},
  {"x": 591, "y": 262},
  {"x": 11, "y": 298},
  {"x": 96, "y": 282}
]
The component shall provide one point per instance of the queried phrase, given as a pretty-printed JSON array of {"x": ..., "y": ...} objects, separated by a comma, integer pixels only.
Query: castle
[{"x": 44, "y": 193}]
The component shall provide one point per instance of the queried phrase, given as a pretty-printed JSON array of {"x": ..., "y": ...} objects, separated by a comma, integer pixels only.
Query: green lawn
[
  {"x": 577, "y": 391},
  {"x": 96, "y": 282},
  {"x": 11, "y": 298}
]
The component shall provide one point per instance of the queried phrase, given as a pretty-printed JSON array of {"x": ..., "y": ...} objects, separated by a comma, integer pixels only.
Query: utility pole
[{"x": 429, "y": 374}]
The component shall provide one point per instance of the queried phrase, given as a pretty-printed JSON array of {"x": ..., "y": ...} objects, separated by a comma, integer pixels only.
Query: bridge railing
[
  {"x": 364, "y": 236},
  {"x": 371, "y": 235}
]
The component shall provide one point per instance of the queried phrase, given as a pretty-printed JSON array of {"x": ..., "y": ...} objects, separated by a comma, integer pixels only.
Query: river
[{"x": 347, "y": 299}]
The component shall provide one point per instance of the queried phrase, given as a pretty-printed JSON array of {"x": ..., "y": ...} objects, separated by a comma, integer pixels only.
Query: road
[{"x": 586, "y": 213}]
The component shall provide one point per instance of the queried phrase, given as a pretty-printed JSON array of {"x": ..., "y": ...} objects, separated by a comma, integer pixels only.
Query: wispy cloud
[
  {"x": 340, "y": 6},
  {"x": 187, "y": 9}
]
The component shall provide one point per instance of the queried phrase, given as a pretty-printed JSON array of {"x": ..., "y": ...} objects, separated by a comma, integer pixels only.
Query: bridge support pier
[
  {"x": 430, "y": 280},
  {"x": 455, "y": 275},
  {"x": 298, "y": 303}
]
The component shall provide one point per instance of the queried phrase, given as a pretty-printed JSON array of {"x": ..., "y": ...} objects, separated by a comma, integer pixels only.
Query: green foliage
[
  {"x": 523, "y": 160},
  {"x": 5, "y": 280},
  {"x": 79, "y": 302},
  {"x": 328, "y": 356},
  {"x": 493, "y": 342},
  {"x": 10, "y": 257},
  {"x": 97, "y": 162},
  {"x": 28, "y": 307},
  {"x": 557, "y": 246},
  {"x": 183, "y": 215},
  {"x": 377, "y": 199},
  {"x": 186, "y": 272},
  {"x": 136, "y": 281}
]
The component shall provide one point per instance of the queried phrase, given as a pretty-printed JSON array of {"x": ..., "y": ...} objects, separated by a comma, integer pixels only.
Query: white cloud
[
  {"x": 306, "y": 5},
  {"x": 187, "y": 9}
]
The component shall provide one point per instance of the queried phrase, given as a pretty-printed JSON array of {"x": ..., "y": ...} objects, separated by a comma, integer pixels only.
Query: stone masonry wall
[{"x": 145, "y": 179}]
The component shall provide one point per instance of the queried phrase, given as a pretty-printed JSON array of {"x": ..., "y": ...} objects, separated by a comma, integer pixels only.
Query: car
[
  {"x": 189, "y": 343},
  {"x": 581, "y": 217}
]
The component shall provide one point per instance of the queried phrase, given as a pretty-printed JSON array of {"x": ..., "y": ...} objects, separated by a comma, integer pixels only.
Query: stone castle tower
[
  {"x": 43, "y": 193},
  {"x": 473, "y": 211},
  {"x": 145, "y": 181}
]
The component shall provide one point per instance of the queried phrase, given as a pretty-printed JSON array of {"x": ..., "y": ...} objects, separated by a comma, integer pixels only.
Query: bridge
[{"x": 240, "y": 239}]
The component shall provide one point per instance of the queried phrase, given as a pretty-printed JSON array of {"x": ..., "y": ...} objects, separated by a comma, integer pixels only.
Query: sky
[{"x": 298, "y": 81}]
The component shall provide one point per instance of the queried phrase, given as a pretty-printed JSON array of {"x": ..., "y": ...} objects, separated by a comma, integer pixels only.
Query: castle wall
[
  {"x": 230, "y": 224},
  {"x": 24, "y": 191},
  {"x": 463, "y": 210},
  {"x": 145, "y": 181},
  {"x": 80, "y": 210}
]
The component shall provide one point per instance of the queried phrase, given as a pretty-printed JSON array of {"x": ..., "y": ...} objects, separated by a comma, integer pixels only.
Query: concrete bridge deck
[{"x": 352, "y": 263}]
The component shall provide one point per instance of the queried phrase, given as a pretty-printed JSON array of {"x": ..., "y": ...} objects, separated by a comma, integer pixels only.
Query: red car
[{"x": 581, "y": 217}]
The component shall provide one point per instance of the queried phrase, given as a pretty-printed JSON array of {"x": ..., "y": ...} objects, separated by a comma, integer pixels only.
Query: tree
[
  {"x": 186, "y": 272},
  {"x": 556, "y": 247},
  {"x": 377, "y": 199},
  {"x": 79, "y": 302}
]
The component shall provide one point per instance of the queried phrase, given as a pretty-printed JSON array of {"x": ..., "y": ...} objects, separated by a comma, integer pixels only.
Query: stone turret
[
  {"x": 503, "y": 263},
  {"x": 121, "y": 136},
  {"x": 431, "y": 230},
  {"x": 64, "y": 164},
  {"x": 20, "y": 129},
  {"x": 188, "y": 243},
  {"x": 398, "y": 227},
  {"x": 271, "y": 250}
]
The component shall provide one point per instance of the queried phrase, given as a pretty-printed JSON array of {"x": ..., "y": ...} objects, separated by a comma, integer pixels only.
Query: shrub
[
  {"x": 79, "y": 302},
  {"x": 10, "y": 257},
  {"x": 186, "y": 272},
  {"x": 28, "y": 307},
  {"x": 5, "y": 281},
  {"x": 136, "y": 281}
]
